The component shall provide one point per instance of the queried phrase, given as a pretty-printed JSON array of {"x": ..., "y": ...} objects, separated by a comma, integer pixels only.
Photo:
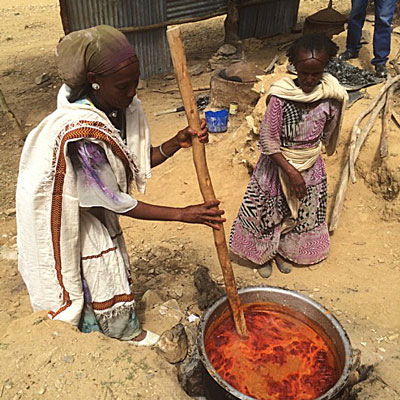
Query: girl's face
[
  {"x": 118, "y": 89},
  {"x": 310, "y": 67}
]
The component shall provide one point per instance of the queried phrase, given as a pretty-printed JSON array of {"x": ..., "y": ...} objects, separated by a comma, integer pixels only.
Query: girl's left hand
[{"x": 184, "y": 137}]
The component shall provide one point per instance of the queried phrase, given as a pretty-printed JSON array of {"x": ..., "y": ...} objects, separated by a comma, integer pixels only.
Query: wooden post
[{"x": 203, "y": 176}]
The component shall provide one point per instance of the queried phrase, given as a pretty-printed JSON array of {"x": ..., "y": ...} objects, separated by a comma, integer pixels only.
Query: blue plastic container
[{"x": 217, "y": 121}]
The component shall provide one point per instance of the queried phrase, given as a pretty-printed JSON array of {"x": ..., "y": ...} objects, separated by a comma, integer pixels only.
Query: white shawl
[
  {"x": 52, "y": 246},
  {"x": 329, "y": 88}
]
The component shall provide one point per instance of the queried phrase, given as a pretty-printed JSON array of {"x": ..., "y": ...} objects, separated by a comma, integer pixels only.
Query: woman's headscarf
[{"x": 99, "y": 49}]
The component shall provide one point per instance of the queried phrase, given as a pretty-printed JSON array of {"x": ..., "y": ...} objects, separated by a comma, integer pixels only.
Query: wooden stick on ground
[
  {"x": 386, "y": 118},
  {"x": 353, "y": 139},
  {"x": 344, "y": 179},
  {"x": 11, "y": 116},
  {"x": 203, "y": 176}
]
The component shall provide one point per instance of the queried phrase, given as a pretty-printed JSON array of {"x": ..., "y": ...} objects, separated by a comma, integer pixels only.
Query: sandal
[
  {"x": 150, "y": 339},
  {"x": 283, "y": 265},
  {"x": 265, "y": 270}
]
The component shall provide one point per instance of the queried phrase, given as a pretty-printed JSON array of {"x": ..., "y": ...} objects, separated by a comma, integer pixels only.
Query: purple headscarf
[{"x": 99, "y": 49}]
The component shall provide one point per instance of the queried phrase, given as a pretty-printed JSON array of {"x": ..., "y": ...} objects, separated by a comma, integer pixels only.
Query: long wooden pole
[{"x": 203, "y": 176}]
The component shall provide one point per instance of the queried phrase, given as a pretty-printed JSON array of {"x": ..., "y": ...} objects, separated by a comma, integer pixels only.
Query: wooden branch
[
  {"x": 353, "y": 138},
  {"x": 339, "y": 199},
  {"x": 164, "y": 24},
  {"x": 171, "y": 91},
  {"x": 344, "y": 179},
  {"x": 396, "y": 117},
  {"x": 10, "y": 115},
  {"x": 386, "y": 118},
  {"x": 394, "y": 63},
  {"x": 271, "y": 65},
  {"x": 364, "y": 133},
  {"x": 203, "y": 176}
]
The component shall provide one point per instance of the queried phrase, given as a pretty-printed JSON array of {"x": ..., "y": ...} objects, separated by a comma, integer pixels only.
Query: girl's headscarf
[{"x": 99, "y": 49}]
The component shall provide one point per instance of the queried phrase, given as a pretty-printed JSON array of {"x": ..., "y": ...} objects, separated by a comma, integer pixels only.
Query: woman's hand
[
  {"x": 206, "y": 214},
  {"x": 184, "y": 137},
  {"x": 297, "y": 182}
]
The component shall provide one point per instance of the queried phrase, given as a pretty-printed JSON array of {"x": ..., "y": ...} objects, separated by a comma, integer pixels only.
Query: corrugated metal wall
[
  {"x": 261, "y": 20},
  {"x": 270, "y": 18},
  {"x": 151, "y": 46},
  {"x": 189, "y": 8}
]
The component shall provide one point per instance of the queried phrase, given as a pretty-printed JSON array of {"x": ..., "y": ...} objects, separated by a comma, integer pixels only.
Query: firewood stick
[
  {"x": 339, "y": 199},
  {"x": 386, "y": 118},
  {"x": 356, "y": 125},
  {"x": 394, "y": 63},
  {"x": 396, "y": 117},
  {"x": 365, "y": 131},
  {"x": 10, "y": 115},
  {"x": 344, "y": 179},
  {"x": 203, "y": 176}
]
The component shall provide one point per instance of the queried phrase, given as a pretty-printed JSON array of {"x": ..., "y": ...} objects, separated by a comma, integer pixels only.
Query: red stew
[{"x": 285, "y": 357}]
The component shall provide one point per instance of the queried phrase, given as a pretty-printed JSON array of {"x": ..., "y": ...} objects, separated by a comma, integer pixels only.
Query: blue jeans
[{"x": 384, "y": 10}]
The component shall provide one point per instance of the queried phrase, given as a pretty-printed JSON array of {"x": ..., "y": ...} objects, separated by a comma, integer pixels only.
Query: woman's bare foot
[
  {"x": 265, "y": 270},
  {"x": 284, "y": 266},
  {"x": 145, "y": 338},
  {"x": 140, "y": 337}
]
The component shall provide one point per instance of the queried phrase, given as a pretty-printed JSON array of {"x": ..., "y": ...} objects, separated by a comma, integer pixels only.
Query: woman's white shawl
[{"x": 56, "y": 239}]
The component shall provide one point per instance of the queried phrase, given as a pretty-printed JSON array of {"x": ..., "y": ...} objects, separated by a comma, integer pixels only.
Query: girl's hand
[
  {"x": 184, "y": 137},
  {"x": 206, "y": 214},
  {"x": 298, "y": 185}
]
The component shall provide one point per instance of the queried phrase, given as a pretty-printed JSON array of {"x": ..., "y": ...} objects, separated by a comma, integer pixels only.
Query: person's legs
[
  {"x": 384, "y": 11},
  {"x": 355, "y": 25}
]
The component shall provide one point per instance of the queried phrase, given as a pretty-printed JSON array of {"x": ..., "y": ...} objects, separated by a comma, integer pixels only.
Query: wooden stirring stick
[{"x": 199, "y": 157}]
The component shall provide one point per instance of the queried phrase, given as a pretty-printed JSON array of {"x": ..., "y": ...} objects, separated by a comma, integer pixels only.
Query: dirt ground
[{"x": 359, "y": 282}]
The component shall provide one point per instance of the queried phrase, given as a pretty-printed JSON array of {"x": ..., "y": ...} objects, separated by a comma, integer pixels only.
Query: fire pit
[{"x": 284, "y": 313}]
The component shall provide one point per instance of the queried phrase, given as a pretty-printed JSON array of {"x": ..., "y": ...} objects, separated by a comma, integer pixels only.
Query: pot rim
[{"x": 348, "y": 363}]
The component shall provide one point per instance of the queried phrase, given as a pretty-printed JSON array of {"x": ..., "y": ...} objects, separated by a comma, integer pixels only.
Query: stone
[
  {"x": 195, "y": 70},
  {"x": 42, "y": 78},
  {"x": 142, "y": 84},
  {"x": 173, "y": 344},
  {"x": 207, "y": 289},
  {"x": 227, "y": 50},
  {"x": 190, "y": 374},
  {"x": 150, "y": 299},
  {"x": 10, "y": 212},
  {"x": 163, "y": 317},
  {"x": 366, "y": 37}
]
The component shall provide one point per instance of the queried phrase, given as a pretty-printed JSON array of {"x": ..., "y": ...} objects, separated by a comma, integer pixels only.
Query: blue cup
[{"x": 217, "y": 121}]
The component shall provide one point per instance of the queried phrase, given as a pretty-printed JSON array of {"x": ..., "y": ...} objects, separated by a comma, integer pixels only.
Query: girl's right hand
[
  {"x": 206, "y": 214},
  {"x": 298, "y": 185}
]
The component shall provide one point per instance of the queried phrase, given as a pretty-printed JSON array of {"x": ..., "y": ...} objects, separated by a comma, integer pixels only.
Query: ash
[{"x": 350, "y": 75}]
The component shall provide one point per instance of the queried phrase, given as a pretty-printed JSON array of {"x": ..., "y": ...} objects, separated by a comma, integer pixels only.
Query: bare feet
[
  {"x": 265, "y": 270},
  {"x": 284, "y": 266},
  {"x": 140, "y": 337}
]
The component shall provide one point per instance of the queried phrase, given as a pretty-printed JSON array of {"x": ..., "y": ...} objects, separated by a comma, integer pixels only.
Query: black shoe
[
  {"x": 347, "y": 55},
  {"x": 381, "y": 71}
]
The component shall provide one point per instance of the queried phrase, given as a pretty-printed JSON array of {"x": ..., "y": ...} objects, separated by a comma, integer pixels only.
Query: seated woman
[
  {"x": 283, "y": 214},
  {"x": 76, "y": 171}
]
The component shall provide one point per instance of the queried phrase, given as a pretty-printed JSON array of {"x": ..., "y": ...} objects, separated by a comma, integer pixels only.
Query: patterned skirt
[{"x": 256, "y": 233}]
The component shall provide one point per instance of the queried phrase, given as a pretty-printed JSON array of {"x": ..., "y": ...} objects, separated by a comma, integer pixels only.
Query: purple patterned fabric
[
  {"x": 97, "y": 184},
  {"x": 256, "y": 232}
]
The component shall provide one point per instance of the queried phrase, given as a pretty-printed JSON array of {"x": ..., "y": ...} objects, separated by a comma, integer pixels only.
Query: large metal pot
[{"x": 217, "y": 389}]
